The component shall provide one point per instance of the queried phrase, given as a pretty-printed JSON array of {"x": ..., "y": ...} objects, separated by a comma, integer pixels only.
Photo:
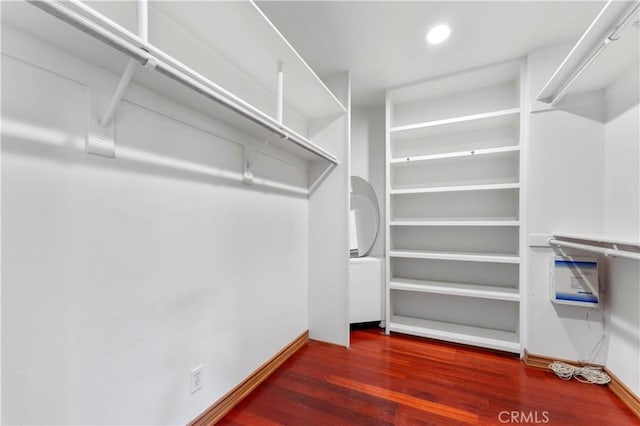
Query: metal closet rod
[
  {"x": 612, "y": 252},
  {"x": 185, "y": 76}
]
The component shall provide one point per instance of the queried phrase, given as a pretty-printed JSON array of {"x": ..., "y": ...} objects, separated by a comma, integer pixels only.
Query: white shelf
[
  {"x": 486, "y": 187},
  {"x": 506, "y": 115},
  {"x": 458, "y": 154},
  {"x": 459, "y": 256},
  {"x": 37, "y": 23},
  {"x": 256, "y": 52},
  {"x": 434, "y": 131},
  {"x": 615, "y": 57},
  {"x": 455, "y": 289},
  {"x": 450, "y": 222},
  {"x": 484, "y": 337}
]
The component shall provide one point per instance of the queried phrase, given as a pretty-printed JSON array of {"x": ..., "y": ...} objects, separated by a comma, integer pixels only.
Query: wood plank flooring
[{"x": 402, "y": 380}]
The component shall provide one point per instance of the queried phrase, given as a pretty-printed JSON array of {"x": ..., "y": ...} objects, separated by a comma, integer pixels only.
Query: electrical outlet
[{"x": 196, "y": 379}]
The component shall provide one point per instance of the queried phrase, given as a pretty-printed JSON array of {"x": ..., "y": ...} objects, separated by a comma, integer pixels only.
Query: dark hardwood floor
[{"x": 401, "y": 380}]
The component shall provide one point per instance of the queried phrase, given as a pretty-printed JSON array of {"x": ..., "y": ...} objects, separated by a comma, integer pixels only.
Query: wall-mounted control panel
[{"x": 574, "y": 281}]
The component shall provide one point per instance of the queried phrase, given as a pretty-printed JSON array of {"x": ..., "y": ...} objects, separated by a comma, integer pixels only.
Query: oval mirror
[{"x": 365, "y": 215}]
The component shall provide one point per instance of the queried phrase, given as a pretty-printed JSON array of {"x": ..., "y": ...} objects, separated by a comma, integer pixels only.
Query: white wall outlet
[{"x": 196, "y": 379}]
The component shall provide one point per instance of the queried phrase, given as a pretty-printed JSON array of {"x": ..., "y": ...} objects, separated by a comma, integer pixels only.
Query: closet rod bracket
[
  {"x": 247, "y": 175},
  {"x": 247, "y": 162},
  {"x": 101, "y": 140},
  {"x": 318, "y": 175}
]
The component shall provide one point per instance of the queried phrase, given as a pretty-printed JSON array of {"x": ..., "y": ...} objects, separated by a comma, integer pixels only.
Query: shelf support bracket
[
  {"x": 247, "y": 162},
  {"x": 321, "y": 177}
]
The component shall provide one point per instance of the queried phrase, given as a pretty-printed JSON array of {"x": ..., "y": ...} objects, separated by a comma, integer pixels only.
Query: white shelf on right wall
[{"x": 454, "y": 189}]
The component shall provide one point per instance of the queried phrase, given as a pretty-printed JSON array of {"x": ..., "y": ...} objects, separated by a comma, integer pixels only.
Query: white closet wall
[
  {"x": 367, "y": 157},
  {"x": 329, "y": 231},
  {"x": 622, "y": 218},
  {"x": 566, "y": 191},
  {"x": 583, "y": 179},
  {"x": 120, "y": 276}
]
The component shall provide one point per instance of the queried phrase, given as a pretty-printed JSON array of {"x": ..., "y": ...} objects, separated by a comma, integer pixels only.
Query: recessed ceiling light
[{"x": 438, "y": 34}]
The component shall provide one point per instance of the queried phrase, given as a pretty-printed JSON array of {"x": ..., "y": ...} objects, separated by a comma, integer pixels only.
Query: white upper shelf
[
  {"x": 595, "y": 61},
  {"x": 205, "y": 88},
  {"x": 257, "y": 49}
]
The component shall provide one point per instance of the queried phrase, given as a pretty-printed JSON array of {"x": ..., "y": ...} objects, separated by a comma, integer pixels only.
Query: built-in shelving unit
[
  {"x": 261, "y": 86},
  {"x": 454, "y": 189}
]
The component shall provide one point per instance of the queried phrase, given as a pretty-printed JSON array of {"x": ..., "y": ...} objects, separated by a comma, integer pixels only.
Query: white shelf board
[
  {"x": 465, "y": 334},
  {"x": 36, "y": 23},
  {"x": 454, "y": 222},
  {"x": 469, "y": 153},
  {"x": 467, "y": 123},
  {"x": 456, "y": 289},
  {"x": 458, "y": 256},
  {"x": 488, "y": 187},
  {"x": 600, "y": 238},
  {"x": 257, "y": 49},
  {"x": 617, "y": 57}
]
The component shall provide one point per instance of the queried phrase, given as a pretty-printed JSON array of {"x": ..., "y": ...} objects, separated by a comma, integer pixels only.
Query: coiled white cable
[{"x": 582, "y": 374}]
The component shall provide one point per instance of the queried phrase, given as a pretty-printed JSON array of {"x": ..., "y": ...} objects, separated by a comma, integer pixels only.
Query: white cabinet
[
  {"x": 366, "y": 289},
  {"x": 453, "y": 217}
]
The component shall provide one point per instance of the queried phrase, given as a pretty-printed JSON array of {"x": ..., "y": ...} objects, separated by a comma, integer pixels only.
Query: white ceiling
[{"x": 382, "y": 43}]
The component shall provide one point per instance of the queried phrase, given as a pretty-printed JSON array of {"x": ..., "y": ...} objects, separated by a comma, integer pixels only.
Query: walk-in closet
[{"x": 314, "y": 212}]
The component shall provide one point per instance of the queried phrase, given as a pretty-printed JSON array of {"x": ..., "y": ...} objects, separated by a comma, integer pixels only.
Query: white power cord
[{"x": 582, "y": 374}]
